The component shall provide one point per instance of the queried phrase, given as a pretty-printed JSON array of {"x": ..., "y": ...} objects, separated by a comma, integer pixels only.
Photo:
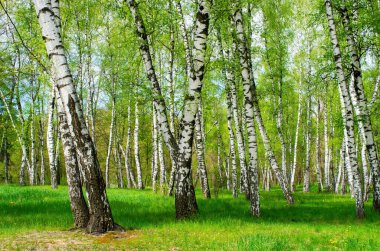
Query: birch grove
[{"x": 199, "y": 100}]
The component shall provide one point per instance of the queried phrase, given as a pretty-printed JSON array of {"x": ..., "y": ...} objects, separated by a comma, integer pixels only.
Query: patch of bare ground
[{"x": 69, "y": 240}]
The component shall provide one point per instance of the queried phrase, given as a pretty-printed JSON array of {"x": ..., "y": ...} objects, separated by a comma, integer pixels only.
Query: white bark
[
  {"x": 162, "y": 165},
  {"x": 111, "y": 134},
  {"x": 180, "y": 151},
  {"x": 326, "y": 148},
  {"x": 253, "y": 111},
  {"x": 318, "y": 150},
  {"x": 78, "y": 204},
  {"x": 42, "y": 157},
  {"x": 199, "y": 144},
  {"x": 140, "y": 184},
  {"x": 375, "y": 92},
  {"x": 296, "y": 142},
  {"x": 155, "y": 150},
  {"x": 100, "y": 212},
  {"x": 50, "y": 140},
  {"x": 306, "y": 184},
  {"x": 130, "y": 178},
  {"x": 347, "y": 111},
  {"x": 249, "y": 103},
  {"x": 361, "y": 109},
  {"x": 340, "y": 167}
]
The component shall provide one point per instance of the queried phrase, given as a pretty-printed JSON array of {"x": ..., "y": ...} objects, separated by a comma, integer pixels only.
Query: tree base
[
  {"x": 100, "y": 224},
  {"x": 360, "y": 213},
  {"x": 186, "y": 204}
]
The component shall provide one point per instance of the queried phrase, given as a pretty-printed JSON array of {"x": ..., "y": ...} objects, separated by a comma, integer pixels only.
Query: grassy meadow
[{"x": 40, "y": 218}]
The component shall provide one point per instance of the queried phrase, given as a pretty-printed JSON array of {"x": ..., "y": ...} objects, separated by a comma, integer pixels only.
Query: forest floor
[{"x": 39, "y": 218}]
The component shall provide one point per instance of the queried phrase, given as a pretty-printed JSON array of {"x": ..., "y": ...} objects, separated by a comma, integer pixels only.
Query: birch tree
[
  {"x": 253, "y": 111},
  {"x": 100, "y": 212},
  {"x": 347, "y": 111},
  {"x": 180, "y": 150}
]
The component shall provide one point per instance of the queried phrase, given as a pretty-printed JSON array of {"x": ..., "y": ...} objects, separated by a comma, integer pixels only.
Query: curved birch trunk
[
  {"x": 100, "y": 212},
  {"x": 347, "y": 112},
  {"x": 361, "y": 110},
  {"x": 252, "y": 111}
]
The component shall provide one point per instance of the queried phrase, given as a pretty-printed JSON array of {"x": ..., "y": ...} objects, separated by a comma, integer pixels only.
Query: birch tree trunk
[
  {"x": 180, "y": 151},
  {"x": 340, "y": 167},
  {"x": 306, "y": 183},
  {"x": 111, "y": 135},
  {"x": 50, "y": 140},
  {"x": 100, "y": 212},
  {"x": 155, "y": 151},
  {"x": 120, "y": 183},
  {"x": 42, "y": 157},
  {"x": 130, "y": 179},
  {"x": 140, "y": 184},
  {"x": 171, "y": 109},
  {"x": 32, "y": 172},
  {"x": 326, "y": 147},
  {"x": 296, "y": 142},
  {"x": 347, "y": 112},
  {"x": 237, "y": 123},
  {"x": 318, "y": 150},
  {"x": 280, "y": 128},
  {"x": 78, "y": 204},
  {"x": 253, "y": 111},
  {"x": 361, "y": 109},
  {"x": 219, "y": 160},
  {"x": 199, "y": 138},
  {"x": 238, "y": 130},
  {"x": 231, "y": 91},
  {"x": 232, "y": 155},
  {"x": 162, "y": 165},
  {"x": 56, "y": 155},
  {"x": 199, "y": 143},
  {"x": 248, "y": 89}
]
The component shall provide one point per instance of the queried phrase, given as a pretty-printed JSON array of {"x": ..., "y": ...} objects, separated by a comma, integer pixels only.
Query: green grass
[{"x": 36, "y": 217}]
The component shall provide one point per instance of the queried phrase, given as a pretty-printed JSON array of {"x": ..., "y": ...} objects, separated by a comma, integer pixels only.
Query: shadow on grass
[{"x": 42, "y": 207}]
